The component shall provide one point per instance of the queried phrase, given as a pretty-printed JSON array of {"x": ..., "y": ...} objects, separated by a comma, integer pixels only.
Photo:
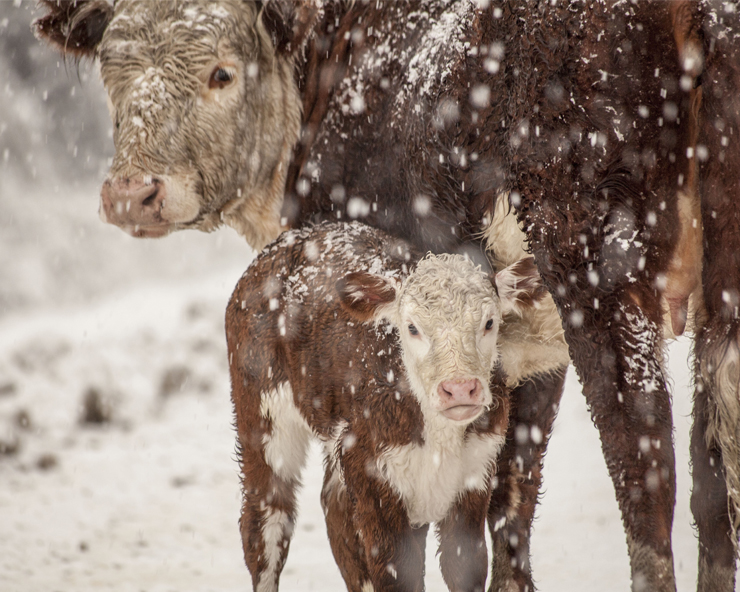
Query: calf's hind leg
[
  {"x": 273, "y": 442},
  {"x": 348, "y": 550}
]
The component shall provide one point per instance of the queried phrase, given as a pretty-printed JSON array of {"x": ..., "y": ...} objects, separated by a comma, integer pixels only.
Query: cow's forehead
[{"x": 169, "y": 27}]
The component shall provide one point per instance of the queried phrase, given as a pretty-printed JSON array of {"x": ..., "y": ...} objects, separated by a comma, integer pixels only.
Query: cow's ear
[
  {"x": 75, "y": 27},
  {"x": 365, "y": 295},
  {"x": 289, "y": 23},
  {"x": 519, "y": 286}
]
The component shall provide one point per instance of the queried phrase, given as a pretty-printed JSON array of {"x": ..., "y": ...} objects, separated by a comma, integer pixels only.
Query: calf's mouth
[{"x": 463, "y": 412}]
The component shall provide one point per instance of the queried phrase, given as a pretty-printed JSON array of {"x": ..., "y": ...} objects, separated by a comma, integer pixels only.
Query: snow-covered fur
[
  {"x": 619, "y": 161},
  {"x": 205, "y": 116},
  {"x": 339, "y": 331}
]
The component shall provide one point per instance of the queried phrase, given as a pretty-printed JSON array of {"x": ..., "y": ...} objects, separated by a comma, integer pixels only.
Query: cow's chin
[
  {"x": 463, "y": 413},
  {"x": 150, "y": 231}
]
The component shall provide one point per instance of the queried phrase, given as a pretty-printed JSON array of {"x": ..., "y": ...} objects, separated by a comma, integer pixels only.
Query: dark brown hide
[
  {"x": 74, "y": 27},
  {"x": 592, "y": 117}
]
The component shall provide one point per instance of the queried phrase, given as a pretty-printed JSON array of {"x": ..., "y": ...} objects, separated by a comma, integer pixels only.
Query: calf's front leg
[
  {"x": 462, "y": 543},
  {"x": 393, "y": 548}
]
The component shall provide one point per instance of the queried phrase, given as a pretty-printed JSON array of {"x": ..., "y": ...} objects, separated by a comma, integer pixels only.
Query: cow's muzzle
[{"x": 135, "y": 206}]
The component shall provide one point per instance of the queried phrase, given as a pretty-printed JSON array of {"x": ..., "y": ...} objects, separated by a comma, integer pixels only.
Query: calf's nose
[
  {"x": 460, "y": 392},
  {"x": 132, "y": 201}
]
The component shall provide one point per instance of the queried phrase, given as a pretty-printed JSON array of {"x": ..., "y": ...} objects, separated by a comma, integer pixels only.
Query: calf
[{"x": 332, "y": 334}]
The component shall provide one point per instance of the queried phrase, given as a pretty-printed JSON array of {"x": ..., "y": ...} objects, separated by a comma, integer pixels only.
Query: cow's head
[
  {"x": 204, "y": 106},
  {"x": 447, "y": 313}
]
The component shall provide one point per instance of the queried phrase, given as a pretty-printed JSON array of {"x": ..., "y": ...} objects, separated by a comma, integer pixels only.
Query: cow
[
  {"x": 600, "y": 136},
  {"x": 341, "y": 332}
]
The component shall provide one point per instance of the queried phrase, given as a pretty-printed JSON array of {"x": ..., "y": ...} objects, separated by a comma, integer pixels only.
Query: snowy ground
[{"x": 148, "y": 501}]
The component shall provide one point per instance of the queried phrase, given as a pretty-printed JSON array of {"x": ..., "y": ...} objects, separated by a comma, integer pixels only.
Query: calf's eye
[
  {"x": 489, "y": 325},
  {"x": 220, "y": 78},
  {"x": 413, "y": 330}
]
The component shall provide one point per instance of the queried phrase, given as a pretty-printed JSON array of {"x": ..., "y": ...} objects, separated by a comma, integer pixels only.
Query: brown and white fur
[
  {"x": 618, "y": 159},
  {"x": 336, "y": 332}
]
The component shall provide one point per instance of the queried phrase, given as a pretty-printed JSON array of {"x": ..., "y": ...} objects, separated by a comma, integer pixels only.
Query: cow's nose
[
  {"x": 132, "y": 202},
  {"x": 461, "y": 392}
]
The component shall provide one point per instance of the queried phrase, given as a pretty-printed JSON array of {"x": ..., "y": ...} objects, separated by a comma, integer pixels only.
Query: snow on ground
[{"x": 149, "y": 500}]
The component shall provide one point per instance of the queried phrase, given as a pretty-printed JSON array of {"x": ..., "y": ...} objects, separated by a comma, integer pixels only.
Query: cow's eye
[
  {"x": 489, "y": 325},
  {"x": 220, "y": 77},
  {"x": 413, "y": 330}
]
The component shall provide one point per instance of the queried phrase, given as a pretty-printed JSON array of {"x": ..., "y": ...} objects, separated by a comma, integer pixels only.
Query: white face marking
[{"x": 443, "y": 311}]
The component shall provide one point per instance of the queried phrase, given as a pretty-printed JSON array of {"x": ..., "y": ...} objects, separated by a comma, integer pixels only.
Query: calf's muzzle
[{"x": 461, "y": 400}]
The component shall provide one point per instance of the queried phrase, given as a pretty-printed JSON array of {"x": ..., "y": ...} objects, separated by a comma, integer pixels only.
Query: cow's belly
[{"x": 535, "y": 343}]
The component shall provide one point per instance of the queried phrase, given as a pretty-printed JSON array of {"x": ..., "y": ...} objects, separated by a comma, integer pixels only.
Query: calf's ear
[
  {"x": 519, "y": 286},
  {"x": 289, "y": 23},
  {"x": 363, "y": 294},
  {"x": 75, "y": 27}
]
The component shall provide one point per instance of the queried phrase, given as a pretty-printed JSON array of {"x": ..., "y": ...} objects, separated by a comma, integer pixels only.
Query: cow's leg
[
  {"x": 709, "y": 501},
  {"x": 534, "y": 406},
  {"x": 716, "y": 433},
  {"x": 618, "y": 356},
  {"x": 462, "y": 543},
  {"x": 603, "y": 225},
  {"x": 345, "y": 542},
  {"x": 273, "y": 443}
]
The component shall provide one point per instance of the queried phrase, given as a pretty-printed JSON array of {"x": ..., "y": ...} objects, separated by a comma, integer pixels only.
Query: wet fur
[{"x": 576, "y": 134}]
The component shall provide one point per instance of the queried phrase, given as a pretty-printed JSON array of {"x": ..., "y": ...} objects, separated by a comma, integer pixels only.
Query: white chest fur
[{"x": 431, "y": 477}]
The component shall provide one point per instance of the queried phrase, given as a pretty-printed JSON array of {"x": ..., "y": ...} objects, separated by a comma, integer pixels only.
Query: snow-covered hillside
[{"x": 117, "y": 465}]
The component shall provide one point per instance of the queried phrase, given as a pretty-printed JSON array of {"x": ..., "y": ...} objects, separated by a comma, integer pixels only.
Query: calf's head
[
  {"x": 204, "y": 105},
  {"x": 447, "y": 313}
]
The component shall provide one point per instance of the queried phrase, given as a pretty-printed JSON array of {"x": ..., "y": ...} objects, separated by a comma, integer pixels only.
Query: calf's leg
[
  {"x": 348, "y": 550},
  {"x": 393, "y": 548},
  {"x": 462, "y": 543},
  {"x": 273, "y": 443}
]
